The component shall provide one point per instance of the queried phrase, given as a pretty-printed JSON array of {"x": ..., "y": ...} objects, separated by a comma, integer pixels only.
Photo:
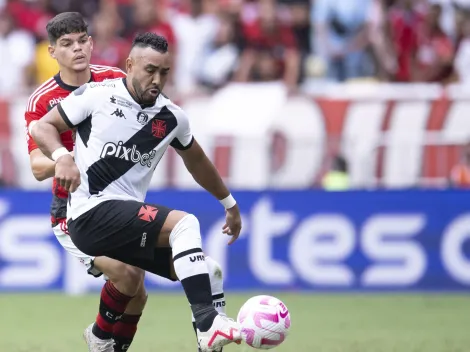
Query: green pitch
[{"x": 320, "y": 323}]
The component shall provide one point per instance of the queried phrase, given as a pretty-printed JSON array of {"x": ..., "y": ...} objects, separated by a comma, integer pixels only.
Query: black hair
[
  {"x": 65, "y": 23},
  {"x": 340, "y": 164},
  {"x": 152, "y": 40}
]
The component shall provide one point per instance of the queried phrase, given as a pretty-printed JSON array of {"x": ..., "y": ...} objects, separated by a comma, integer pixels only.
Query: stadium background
[{"x": 341, "y": 126}]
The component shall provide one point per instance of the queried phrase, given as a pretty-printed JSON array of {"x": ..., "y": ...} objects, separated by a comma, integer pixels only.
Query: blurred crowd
[{"x": 221, "y": 41}]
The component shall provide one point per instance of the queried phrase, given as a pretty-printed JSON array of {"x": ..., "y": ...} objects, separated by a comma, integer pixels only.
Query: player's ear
[
  {"x": 90, "y": 39},
  {"x": 129, "y": 64},
  {"x": 51, "y": 49}
]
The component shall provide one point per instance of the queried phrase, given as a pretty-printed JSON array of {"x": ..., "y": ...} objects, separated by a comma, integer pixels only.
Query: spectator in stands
[
  {"x": 460, "y": 174},
  {"x": 435, "y": 50},
  {"x": 221, "y": 57},
  {"x": 31, "y": 16},
  {"x": 151, "y": 16},
  {"x": 108, "y": 48},
  {"x": 16, "y": 56},
  {"x": 337, "y": 179},
  {"x": 385, "y": 60},
  {"x": 450, "y": 10},
  {"x": 403, "y": 22},
  {"x": 270, "y": 50},
  {"x": 44, "y": 65},
  {"x": 195, "y": 29},
  {"x": 341, "y": 37},
  {"x": 462, "y": 58},
  {"x": 300, "y": 21}
]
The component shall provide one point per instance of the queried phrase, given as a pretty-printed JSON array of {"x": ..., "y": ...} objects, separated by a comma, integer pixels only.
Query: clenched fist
[{"x": 67, "y": 173}]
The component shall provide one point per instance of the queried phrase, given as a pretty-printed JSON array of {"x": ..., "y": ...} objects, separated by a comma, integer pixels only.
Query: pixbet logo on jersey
[
  {"x": 128, "y": 153},
  {"x": 54, "y": 101}
]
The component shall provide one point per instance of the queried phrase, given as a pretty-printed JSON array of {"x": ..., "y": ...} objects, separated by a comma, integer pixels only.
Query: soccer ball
[{"x": 265, "y": 322}]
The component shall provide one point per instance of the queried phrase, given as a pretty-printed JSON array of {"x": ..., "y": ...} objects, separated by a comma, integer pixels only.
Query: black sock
[
  {"x": 124, "y": 331},
  {"x": 204, "y": 315},
  {"x": 191, "y": 269}
]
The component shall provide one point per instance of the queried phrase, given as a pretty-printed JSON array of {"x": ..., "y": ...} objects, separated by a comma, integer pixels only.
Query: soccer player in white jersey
[
  {"x": 124, "y": 126},
  {"x": 71, "y": 46}
]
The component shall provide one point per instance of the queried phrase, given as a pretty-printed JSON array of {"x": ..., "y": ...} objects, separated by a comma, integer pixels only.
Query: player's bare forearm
[
  {"x": 47, "y": 137},
  {"x": 41, "y": 166},
  {"x": 46, "y": 132},
  {"x": 203, "y": 171}
]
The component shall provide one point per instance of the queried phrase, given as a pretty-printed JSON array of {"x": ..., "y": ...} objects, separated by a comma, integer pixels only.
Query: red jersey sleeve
[
  {"x": 101, "y": 73},
  {"x": 33, "y": 115}
]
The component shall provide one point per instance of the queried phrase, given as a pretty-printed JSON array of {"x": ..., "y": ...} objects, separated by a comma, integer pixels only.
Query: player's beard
[{"x": 143, "y": 96}]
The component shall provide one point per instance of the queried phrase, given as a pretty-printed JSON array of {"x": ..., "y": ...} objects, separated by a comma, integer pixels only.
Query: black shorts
[{"x": 124, "y": 230}]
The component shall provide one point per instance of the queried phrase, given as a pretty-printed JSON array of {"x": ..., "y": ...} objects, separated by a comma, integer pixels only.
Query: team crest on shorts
[{"x": 147, "y": 213}]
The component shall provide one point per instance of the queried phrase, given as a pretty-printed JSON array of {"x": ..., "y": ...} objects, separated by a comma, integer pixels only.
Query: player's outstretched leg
[
  {"x": 213, "y": 329},
  {"x": 115, "y": 297},
  {"x": 217, "y": 288}
]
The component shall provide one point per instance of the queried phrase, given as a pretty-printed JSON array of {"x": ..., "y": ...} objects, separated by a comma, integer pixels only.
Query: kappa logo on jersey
[
  {"x": 147, "y": 213},
  {"x": 142, "y": 117},
  {"x": 120, "y": 102},
  {"x": 118, "y": 113},
  {"x": 128, "y": 153},
  {"x": 159, "y": 128}
]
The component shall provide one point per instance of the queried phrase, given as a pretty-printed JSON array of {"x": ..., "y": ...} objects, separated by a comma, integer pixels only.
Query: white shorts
[{"x": 61, "y": 233}]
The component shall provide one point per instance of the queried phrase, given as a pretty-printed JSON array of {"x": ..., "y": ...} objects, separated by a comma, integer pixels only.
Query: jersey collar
[
  {"x": 142, "y": 106},
  {"x": 66, "y": 86}
]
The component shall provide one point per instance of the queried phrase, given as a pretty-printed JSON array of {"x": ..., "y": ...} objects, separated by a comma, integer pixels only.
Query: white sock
[
  {"x": 217, "y": 284},
  {"x": 189, "y": 261}
]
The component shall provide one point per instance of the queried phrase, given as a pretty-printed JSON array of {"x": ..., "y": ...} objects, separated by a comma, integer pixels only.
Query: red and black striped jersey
[{"x": 43, "y": 99}]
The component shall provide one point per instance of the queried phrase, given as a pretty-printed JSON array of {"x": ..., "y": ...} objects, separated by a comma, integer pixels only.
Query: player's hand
[
  {"x": 233, "y": 223},
  {"x": 67, "y": 173}
]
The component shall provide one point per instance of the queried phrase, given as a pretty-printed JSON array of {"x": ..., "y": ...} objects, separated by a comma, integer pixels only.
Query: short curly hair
[
  {"x": 152, "y": 40},
  {"x": 65, "y": 23}
]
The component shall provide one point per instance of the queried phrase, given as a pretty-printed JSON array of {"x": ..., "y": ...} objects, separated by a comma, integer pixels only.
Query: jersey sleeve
[
  {"x": 77, "y": 106},
  {"x": 31, "y": 116},
  {"x": 184, "y": 137}
]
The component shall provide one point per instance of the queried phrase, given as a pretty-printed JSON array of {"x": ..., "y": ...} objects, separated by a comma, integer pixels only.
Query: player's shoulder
[
  {"x": 176, "y": 110},
  {"x": 92, "y": 93},
  {"x": 96, "y": 88},
  {"x": 102, "y": 73},
  {"x": 41, "y": 96}
]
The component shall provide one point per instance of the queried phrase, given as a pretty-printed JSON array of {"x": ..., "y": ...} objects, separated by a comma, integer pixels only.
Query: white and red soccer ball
[{"x": 265, "y": 322}]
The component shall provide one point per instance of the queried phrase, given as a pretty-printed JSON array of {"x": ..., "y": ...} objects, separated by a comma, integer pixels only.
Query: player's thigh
[
  {"x": 62, "y": 235},
  {"x": 122, "y": 230},
  {"x": 116, "y": 270},
  {"x": 161, "y": 264}
]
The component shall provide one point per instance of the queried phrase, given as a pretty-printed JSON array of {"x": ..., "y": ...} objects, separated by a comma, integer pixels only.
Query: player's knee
[
  {"x": 141, "y": 296},
  {"x": 188, "y": 228},
  {"x": 215, "y": 275},
  {"x": 128, "y": 276},
  {"x": 133, "y": 275}
]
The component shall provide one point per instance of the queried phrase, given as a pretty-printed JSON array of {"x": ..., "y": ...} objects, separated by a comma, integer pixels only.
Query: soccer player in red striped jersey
[{"x": 119, "y": 314}]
